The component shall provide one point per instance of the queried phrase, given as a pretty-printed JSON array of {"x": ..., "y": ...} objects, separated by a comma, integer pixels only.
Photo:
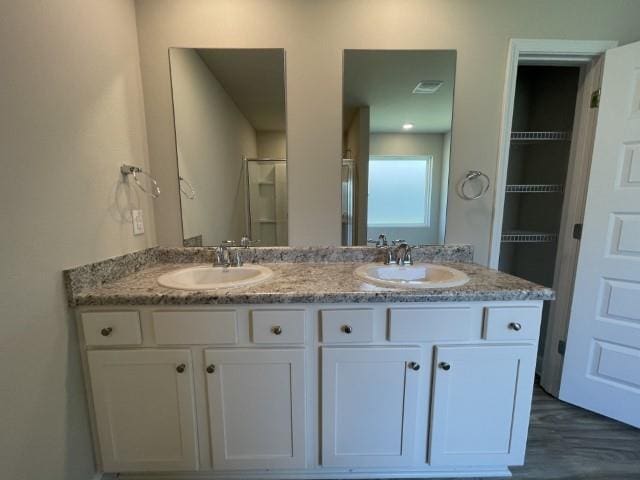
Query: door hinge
[
  {"x": 562, "y": 347},
  {"x": 595, "y": 99},
  {"x": 577, "y": 231}
]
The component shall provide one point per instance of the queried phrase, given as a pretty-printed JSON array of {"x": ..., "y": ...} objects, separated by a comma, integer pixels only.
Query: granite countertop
[{"x": 305, "y": 282}]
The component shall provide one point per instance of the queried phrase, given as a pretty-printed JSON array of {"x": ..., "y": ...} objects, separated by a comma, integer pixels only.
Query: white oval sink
[
  {"x": 209, "y": 278},
  {"x": 419, "y": 275}
]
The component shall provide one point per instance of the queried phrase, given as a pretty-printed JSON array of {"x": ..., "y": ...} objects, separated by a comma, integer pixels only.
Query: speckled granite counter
[{"x": 306, "y": 281}]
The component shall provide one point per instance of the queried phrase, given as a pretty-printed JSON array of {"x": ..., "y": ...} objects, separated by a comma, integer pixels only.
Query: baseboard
[{"x": 318, "y": 474}]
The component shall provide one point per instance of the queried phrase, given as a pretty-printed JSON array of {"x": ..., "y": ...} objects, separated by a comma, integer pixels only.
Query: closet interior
[{"x": 543, "y": 117}]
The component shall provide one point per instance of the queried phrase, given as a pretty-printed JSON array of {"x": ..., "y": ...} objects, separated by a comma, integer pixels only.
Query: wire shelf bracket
[
  {"x": 529, "y": 237},
  {"x": 540, "y": 136},
  {"x": 534, "y": 188}
]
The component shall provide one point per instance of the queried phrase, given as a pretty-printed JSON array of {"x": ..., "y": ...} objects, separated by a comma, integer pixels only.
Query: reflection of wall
[
  {"x": 212, "y": 137},
  {"x": 272, "y": 145},
  {"x": 314, "y": 82},
  {"x": 413, "y": 144},
  {"x": 357, "y": 142},
  {"x": 72, "y": 113}
]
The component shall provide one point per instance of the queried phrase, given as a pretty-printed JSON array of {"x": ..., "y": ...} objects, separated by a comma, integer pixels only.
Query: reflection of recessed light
[
  {"x": 407, "y": 126},
  {"x": 428, "y": 86}
]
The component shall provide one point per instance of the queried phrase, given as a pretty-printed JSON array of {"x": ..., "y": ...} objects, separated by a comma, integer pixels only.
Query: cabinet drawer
[
  {"x": 432, "y": 324},
  {"x": 277, "y": 326},
  {"x": 111, "y": 328},
  {"x": 511, "y": 323},
  {"x": 195, "y": 328},
  {"x": 347, "y": 326}
]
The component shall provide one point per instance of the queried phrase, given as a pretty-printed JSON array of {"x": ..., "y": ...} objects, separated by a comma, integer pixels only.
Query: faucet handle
[
  {"x": 381, "y": 242},
  {"x": 246, "y": 242}
]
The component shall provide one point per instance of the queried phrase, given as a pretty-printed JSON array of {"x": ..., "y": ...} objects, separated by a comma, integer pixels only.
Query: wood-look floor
[{"x": 569, "y": 443}]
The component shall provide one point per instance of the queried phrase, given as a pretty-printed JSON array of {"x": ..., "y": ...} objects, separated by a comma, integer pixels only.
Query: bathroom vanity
[{"x": 311, "y": 374}]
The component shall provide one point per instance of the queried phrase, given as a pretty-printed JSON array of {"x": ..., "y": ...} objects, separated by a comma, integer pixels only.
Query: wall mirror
[
  {"x": 397, "y": 112},
  {"x": 230, "y": 124}
]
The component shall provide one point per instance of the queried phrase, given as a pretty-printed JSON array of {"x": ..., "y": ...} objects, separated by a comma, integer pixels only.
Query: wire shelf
[
  {"x": 540, "y": 136},
  {"x": 528, "y": 237},
  {"x": 539, "y": 188}
]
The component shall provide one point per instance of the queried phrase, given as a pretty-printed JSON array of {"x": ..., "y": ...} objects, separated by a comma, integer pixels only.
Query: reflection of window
[{"x": 399, "y": 191}]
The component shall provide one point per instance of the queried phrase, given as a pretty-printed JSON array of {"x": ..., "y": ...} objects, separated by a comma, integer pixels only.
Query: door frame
[
  {"x": 533, "y": 52},
  {"x": 549, "y": 52}
]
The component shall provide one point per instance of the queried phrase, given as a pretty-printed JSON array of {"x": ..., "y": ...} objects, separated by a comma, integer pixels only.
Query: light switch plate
[{"x": 138, "y": 222}]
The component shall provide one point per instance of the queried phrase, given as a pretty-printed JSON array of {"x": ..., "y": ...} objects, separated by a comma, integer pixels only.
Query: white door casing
[
  {"x": 144, "y": 409},
  {"x": 256, "y": 408},
  {"x": 369, "y": 400},
  {"x": 481, "y": 404},
  {"x": 602, "y": 362}
]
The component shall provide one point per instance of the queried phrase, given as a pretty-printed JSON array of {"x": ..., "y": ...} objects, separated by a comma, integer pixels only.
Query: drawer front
[
  {"x": 432, "y": 324},
  {"x": 195, "y": 328},
  {"x": 111, "y": 328},
  {"x": 347, "y": 326},
  {"x": 277, "y": 326},
  {"x": 512, "y": 323}
]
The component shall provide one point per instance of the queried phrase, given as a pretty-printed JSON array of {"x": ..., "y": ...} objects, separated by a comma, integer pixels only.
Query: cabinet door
[
  {"x": 256, "y": 408},
  {"x": 481, "y": 404},
  {"x": 144, "y": 408},
  {"x": 369, "y": 398}
]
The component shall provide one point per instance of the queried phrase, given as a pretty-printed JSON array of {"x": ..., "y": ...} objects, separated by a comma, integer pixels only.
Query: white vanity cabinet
[
  {"x": 144, "y": 409},
  {"x": 481, "y": 403},
  {"x": 256, "y": 403},
  {"x": 369, "y": 398},
  {"x": 311, "y": 390}
]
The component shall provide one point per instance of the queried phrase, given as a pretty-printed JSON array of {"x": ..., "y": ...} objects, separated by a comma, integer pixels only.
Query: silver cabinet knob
[
  {"x": 347, "y": 329},
  {"x": 211, "y": 368},
  {"x": 414, "y": 366},
  {"x": 105, "y": 332},
  {"x": 515, "y": 326},
  {"x": 181, "y": 368},
  {"x": 444, "y": 366},
  {"x": 277, "y": 330}
]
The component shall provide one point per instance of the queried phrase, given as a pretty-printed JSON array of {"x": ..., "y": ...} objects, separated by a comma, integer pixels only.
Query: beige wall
[
  {"x": 413, "y": 144},
  {"x": 272, "y": 145},
  {"x": 212, "y": 137},
  {"x": 71, "y": 114},
  {"x": 314, "y": 35}
]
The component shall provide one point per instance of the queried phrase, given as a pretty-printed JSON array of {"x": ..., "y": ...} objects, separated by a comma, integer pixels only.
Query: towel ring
[
  {"x": 134, "y": 172},
  {"x": 191, "y": 193},
  {"x": 470, "y": 176}
]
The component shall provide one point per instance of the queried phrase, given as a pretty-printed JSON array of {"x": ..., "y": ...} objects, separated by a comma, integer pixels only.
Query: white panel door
[
  {"x": 369, "y": 398},
  {"x": 256, "y": 408},
  {"x": 481, "y": 404},
  {"x": 601, "y": 369},
  {"x": 144, "y": 407}
]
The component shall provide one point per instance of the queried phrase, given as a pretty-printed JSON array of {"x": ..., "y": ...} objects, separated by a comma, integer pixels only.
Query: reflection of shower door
[
  {"x": 267, "y": 201},
  {"x": 348, "y": 171}
]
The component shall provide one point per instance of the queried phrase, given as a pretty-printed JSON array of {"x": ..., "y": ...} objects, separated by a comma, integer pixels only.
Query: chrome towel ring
[
  {"x": 191, "y": 192},
  {"x": 471, "y": 176},
  {"x": 134, "y": 171}
]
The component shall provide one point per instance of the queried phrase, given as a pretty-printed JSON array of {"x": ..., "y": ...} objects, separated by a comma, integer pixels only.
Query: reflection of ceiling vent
[{"x": 428, "y": 86}]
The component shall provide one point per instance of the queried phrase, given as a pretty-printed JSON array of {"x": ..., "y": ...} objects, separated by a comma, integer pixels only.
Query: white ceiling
[
  {"x": 384, "y": 81},
  {"x": 254, "y": 79}
]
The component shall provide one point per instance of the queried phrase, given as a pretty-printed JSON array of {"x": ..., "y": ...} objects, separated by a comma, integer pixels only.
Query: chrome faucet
[
  {"x": 403, "y": 253},
  {"x": 223, "y": 257}
]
